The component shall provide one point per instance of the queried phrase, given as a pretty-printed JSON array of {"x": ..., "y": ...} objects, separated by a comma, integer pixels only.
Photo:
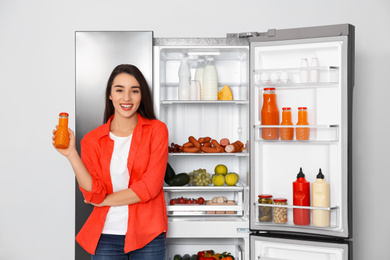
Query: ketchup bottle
[
  {"x": 301, "y": 197},
  {"x": 61, "y": 140}
]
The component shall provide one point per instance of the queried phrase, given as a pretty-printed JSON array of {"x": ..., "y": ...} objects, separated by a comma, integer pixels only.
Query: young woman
[{"x": 121, "y": 173}]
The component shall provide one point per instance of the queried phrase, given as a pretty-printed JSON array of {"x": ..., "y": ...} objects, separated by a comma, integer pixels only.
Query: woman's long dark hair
[{"x": 146, "y": 107}]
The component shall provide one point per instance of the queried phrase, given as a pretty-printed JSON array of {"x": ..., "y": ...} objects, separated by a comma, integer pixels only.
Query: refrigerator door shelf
[
  {"x": 234, "y": 246},
  {"x": 318, "y": 133}
]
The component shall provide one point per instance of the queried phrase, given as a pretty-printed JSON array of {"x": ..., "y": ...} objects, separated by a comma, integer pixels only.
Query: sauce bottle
[
  {"x": 301, "y": 197},
  {"x": 61, "y": 139},
  {"x": 269, "y": 115},
  {"x": 184, "y": 80},
  {"x": 302, "y": 133},
  {"x": 286, "y": 133},
  {"x": 321, "y": 198}
]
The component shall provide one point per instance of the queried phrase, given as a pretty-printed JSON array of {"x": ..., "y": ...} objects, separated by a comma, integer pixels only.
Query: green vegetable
[
  {"x": 169, "y": 173},
  {"x": 177, "y": 257},
  {"x": 194, "y": 257},
  {"x": 180, "y": 179},
  {"x": 186, "y": 257}
]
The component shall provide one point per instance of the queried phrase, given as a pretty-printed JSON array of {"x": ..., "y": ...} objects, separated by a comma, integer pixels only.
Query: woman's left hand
[{"x": 95, "y": 205}]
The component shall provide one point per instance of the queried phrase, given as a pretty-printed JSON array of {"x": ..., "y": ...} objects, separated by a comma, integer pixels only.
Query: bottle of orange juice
[
  {"x": 286, "y": 133},
  {"x": 61, "y": 140},
  {"x": 302, "y": 133},
  {"x": 269, "y": 115}
]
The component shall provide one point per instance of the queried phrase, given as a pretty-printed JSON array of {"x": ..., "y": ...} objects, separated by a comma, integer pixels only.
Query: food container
[
  {"x": 265, "y": 213},
  {"x": 280, "y": 213}
]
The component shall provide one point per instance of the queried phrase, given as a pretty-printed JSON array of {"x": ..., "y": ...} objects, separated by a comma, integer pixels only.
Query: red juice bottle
[{"x": 301, "y": 197}]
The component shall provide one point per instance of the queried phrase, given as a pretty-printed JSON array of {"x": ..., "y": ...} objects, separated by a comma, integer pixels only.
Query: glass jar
[
  {"x": 280, "y": 213},
  {"x": 265, "y": 213},
  {"x": 61, "y": 140}
]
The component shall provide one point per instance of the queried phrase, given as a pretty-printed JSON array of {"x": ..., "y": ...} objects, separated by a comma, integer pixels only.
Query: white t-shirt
[{"x": 117, "y": 217}]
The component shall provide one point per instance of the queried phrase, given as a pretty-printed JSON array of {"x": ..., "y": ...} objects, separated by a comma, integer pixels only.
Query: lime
[{"x": 221, "y": 169}]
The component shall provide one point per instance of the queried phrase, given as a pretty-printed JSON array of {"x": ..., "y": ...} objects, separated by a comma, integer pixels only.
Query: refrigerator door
[
  {"x": 97, "y": 54},
  {"x": 326, "y": 90},
  {"x": 271, "y": 248}
]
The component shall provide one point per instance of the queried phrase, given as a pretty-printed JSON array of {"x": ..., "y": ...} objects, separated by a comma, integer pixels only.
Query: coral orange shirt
[{"x": 147, "y": 163}]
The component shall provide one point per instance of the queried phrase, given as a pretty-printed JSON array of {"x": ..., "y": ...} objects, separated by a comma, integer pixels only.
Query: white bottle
[
  {"x": 304, "y": 71},
  {"x": 320, "y": 198},
  {"x": 314, "y": 70},
  {"x": 184, "y": 80},
  {"x": 199, "y": 75},
  {"x": 194, "y": 90},
  {"x": 210, "y": 81}
]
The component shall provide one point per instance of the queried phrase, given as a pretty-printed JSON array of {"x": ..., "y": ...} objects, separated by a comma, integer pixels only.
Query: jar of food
[
  {"x": 280, "y": 213},
  {"x": 265, "y": 213}
]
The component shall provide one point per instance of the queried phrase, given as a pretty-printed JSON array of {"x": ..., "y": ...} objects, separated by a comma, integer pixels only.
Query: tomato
[
  {"x": 188, "y": 201},
  {"x": 181, "y": 200},
  {"x": 201, "y": 201},
  {"x": 173, "y": 202},
  {"x": 194, "y": 201}
]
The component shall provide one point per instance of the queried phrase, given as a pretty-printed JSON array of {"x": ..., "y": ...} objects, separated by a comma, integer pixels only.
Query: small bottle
[
  {"x": 269, "y": 115},
  {"x": 301, "y": 197},
  {"x": 314, "y": 72},
  {"x": 304, "y": 71},
  {"x": 61, "y": 139},
  {"x": 210, "y": 81},
  {"x": 321, "y": 198},
  {"x": 194, "y": 90},
  {"x": 288, "y": 132},
  {"x": 184, "y": 80},
  {"x": 280, "y": 213},
  {"x": 265, "y": 213},
  {"x": 199, "y": 75},
  {"x": 302, "y": 133}
]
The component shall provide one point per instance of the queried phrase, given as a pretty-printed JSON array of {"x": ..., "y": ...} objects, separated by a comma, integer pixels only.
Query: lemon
[
  {"x": 221, "y": 169},
  {"x": 218, "y": 180},
  {"x": 231, "y": 178}
]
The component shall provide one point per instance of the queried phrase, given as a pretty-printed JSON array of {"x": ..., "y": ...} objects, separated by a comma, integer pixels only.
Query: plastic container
[
  {"x": 288, "y": 132},
  {"x": 304, "y": 71},
  {"x": 265, "y": 213},
  {"x": 301, "y": 197},
  {"x": 199, "y": 75},
  {"x": 320, "y": 198},
  {"x": 184, "y": 80},
  {"x": 61, "y": 139},
  {"x": 314, "y": 72},
  {"x": 280, "y": 213},
  {"x": 210, "y": 81},
  {"x": 269, "y": 115},
  {"x": 302, "y": 133}
]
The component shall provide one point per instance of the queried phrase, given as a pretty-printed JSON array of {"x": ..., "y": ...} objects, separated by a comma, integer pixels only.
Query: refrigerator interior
[
  {"x": 265, "y": 248},
  {"x": 203, "y": 118},
  {"x": 276, "y": 163}
]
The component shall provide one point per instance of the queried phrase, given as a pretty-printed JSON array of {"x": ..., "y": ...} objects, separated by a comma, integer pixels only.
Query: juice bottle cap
[
  {"x": 265, "y": 196},
  {"x": 302, "y": 108},
  {"x": 320, "y": 175},
  {"x": 269, "y": 89},
  {"x": 280, "y": 199},
  {"x": 64, "y": 114},
  {"x": 286, "y": 108}
]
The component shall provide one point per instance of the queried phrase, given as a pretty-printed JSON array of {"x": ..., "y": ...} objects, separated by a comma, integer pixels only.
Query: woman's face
[{"x": 125, "y": 95}]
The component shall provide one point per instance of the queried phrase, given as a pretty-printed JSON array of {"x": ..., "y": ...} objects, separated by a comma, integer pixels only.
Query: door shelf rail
[
  {"x": 204, "y": 102},
  {"x": 297, "y": 207},
  {"x": 242, "y": 154}
]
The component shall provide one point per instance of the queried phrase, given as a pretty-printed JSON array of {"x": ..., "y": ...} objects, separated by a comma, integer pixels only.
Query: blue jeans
[{"x": 111, "y": 247}]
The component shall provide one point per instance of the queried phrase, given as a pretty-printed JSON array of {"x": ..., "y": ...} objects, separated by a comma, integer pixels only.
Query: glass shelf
[{"x": 196, "y": 102}]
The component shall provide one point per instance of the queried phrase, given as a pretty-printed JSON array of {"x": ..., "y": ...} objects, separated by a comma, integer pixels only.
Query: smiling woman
[{"x": 121, "y": 173}]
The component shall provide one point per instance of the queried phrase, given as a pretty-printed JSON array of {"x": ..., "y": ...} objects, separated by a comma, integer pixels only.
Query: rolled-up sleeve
[
  {"x": 90, "y": 158},
  {"x": 149, "y": 185}
]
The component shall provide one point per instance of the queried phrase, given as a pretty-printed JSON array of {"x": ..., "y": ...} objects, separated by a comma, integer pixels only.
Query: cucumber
[
  {"x": 169, "y": 173},
  {"x": 177, "y": 257},
  {"x": 180, "y": 179},
  {"x": 194, "y": 257},
  {"x": 186, "y": 257}
]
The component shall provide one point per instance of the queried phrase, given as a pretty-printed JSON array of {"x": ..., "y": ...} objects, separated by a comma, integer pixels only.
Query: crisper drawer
[
  {"x": 191, "y": 247},
  {"x": 206, "y": 201}
]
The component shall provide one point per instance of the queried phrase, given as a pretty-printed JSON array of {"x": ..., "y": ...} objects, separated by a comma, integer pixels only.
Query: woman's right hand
[{"x": 72, "y": 144}]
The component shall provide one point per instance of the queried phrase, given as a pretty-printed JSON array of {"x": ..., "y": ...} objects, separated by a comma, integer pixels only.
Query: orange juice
[
  {"x": 304, "y": 132},
  {"x": 270, "y": 115},
  {"x": 288, "y": 132},
  {"x": 61, "y": 140}
]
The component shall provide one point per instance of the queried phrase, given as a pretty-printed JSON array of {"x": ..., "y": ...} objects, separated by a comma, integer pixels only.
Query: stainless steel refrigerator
[{"x": 248, "y": 63}]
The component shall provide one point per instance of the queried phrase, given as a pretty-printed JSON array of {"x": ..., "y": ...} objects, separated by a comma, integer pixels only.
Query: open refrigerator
[{"x": 248, "y": 63}]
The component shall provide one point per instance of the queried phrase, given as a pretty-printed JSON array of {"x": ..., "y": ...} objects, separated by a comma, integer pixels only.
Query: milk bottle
[
  {"x": 199, "y": 75},
  {"x": 320, "y": 196},
  {"x": 210, "y": 81},
  {"x": 184, "y": 80}
]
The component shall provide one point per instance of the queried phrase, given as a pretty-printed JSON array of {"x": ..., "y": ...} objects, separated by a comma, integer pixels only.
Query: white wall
[{"x": 37, "y": 81}]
